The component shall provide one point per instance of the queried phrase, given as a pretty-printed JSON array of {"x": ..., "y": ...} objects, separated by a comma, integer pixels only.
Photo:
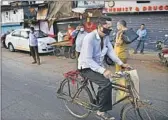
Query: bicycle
[{"x": 76, "y": 91}]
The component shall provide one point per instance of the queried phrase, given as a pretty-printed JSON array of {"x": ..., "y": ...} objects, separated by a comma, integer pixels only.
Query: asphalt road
[{"x": 29, "y": 91}]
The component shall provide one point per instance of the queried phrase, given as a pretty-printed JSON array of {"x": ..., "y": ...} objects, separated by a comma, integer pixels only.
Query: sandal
[{"x": 105, "y": 116}]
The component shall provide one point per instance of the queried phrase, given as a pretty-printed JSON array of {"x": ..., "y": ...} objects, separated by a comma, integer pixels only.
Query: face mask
[
  {"x": 82, "y": 29},
  {"x": 106, "y": 31}
]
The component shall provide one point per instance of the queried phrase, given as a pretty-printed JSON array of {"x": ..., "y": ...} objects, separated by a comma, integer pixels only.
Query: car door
[
  {"x": 14, "y": 39},
  {"x": 24, "y": 41}
]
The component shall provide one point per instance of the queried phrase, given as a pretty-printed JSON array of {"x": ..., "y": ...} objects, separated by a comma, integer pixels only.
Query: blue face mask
[{"x": 82, "y": 29}]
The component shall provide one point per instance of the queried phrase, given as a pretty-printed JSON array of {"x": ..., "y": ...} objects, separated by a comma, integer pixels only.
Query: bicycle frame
[{"x": 115, "y": 86}]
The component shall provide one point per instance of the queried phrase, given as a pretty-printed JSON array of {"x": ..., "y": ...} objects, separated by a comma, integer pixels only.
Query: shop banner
[{"x": 133, "y": 6}]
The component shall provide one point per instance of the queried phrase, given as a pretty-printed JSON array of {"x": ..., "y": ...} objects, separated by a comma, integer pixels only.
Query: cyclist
[{"x": 90, "y": 63}]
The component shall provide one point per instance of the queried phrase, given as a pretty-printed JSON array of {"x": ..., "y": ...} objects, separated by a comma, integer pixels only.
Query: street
[{"x": 29, "y": 91}]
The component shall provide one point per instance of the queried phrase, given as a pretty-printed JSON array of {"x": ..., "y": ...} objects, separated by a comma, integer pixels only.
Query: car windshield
[{"x": 40, "y": 34}]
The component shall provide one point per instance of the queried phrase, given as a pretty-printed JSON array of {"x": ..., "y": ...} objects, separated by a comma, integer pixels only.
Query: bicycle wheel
[
  {"x": 72, "y": 52},
  {"x": 66, "y": 52},
  {"x": 144, "y": 111},
  {"x": 79, "y": 106},
  {"x": 57, "y": 51}
]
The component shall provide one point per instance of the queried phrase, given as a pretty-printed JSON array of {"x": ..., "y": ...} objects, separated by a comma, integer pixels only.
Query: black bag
[
  {"x": 129, "y": 36},
  {"x": 108, "y": 61}
]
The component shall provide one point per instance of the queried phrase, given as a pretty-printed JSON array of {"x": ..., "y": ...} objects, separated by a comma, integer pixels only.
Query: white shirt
[
  {"x": 91, "y": 55},
  {"x": 79, "y": 39},
  {"x": 33, "y": 39}
]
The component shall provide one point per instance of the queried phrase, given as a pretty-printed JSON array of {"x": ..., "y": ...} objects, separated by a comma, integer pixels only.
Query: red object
[
  {"x": 90, "y": 26},
  {"x": 165, "y": 51},
  {"x": 72, "y": 75},
  {"x": 69, "y": 33},
  {"x": 50, "y": 35}
]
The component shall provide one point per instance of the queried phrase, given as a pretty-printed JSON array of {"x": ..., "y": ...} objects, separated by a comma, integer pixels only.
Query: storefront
[{"x": 151, "y": 13}]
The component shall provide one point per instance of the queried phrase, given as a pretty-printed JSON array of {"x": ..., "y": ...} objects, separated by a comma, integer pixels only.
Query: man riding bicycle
[{"x": 90, "y": 63}]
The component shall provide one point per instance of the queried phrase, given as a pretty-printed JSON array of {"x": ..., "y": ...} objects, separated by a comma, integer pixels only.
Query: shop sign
[{"x": 135, "y": 8}]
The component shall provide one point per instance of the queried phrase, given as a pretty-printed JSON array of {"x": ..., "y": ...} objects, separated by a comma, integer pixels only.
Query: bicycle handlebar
[{"x": 121, "y": 73}]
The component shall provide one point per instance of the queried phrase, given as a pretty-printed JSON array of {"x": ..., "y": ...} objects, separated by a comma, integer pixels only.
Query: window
[
  {"x": 143, "y": 1},
  {"x": 16, "y": 33},
  {"x": 32, "y": 2},
  {"x": 24, "y": 34},
  {"x": 6, "y": 13},
  {"x": 14, "y": 12}
]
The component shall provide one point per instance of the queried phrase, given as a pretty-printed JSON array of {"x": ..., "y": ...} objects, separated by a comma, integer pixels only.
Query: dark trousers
[
  {"x": 104, "y": 94},
  {"x": 77, "y": 56},
  {"x": 141, "y": 44},
  {"x": 34, "y": 53}
]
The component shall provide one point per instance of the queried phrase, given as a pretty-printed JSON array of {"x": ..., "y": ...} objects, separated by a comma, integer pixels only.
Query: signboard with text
[{"x": 133, "y": 6}]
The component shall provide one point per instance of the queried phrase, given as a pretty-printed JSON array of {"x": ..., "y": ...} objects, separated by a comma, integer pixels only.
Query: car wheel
[{"x": 11, "y": 48}]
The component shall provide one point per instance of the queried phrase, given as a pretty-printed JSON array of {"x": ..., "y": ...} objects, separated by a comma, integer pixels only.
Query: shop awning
[{"x": 58, "y": 10}]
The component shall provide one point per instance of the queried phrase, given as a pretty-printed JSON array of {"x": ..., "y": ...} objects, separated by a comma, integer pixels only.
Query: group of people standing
[
  {"x": 120, "y": 48},
  {"x": 91, "y": 49}
]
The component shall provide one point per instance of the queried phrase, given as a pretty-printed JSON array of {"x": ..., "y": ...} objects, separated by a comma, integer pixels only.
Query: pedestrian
[
  {"x": 120, "y": 47},
  {"x": 3, "y": 38},
  {"x": 33, "y": 44},
  {"x": 79, "y": 35},
  {"x": 142, "y": 32},
  {"x": 90, "y": 63}
]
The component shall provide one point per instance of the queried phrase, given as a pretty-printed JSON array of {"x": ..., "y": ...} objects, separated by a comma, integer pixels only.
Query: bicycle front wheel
[
  {"x": 144, "y": 111},
  {"x": 78, "y": 106}
]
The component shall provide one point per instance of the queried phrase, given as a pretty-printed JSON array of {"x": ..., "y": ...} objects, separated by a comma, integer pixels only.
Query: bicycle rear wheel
[
  {"x": 144, "y": 111},
  {"x": 78, "y": 107}
]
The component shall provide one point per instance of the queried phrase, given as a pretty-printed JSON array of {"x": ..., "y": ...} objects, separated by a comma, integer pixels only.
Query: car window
[
  {"x": 16, "y": 33},
  {"x": 24, "y": 34}
]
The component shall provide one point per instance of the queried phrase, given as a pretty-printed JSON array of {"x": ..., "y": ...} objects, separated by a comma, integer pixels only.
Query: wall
[
  {"x": 44, "y": 27},
  {"x": 12, "y": 16},
  {"x": 10, "y": 27},
  {"x": 156, "y": 24}
]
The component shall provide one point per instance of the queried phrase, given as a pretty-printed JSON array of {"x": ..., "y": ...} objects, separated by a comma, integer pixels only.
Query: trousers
[
  {"x": 104, "y": 94},
  {"x": 34, "y": 53},
  {"x": 141, "y": 43}
]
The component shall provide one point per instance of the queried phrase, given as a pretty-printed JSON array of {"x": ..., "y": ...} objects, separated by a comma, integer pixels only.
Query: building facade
[{"x": 151, "y": 13}]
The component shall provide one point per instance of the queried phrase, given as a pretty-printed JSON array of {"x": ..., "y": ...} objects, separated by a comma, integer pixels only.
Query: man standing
[
  {"x": 79, "y": 35},
  {"x": 120, "y": 47},
  {"x": 90, "y": 63},
  {"x": 3, "y": 38},
  {"x": 33, "y": 44},
  {"x": 142, "y": 38}
]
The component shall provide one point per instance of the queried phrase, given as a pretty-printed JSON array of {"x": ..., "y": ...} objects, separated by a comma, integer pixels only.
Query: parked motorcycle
[{"x": 163, "y": 54}]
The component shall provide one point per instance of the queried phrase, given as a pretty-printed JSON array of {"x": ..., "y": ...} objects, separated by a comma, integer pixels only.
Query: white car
[{"x": 19, "y": 40}]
